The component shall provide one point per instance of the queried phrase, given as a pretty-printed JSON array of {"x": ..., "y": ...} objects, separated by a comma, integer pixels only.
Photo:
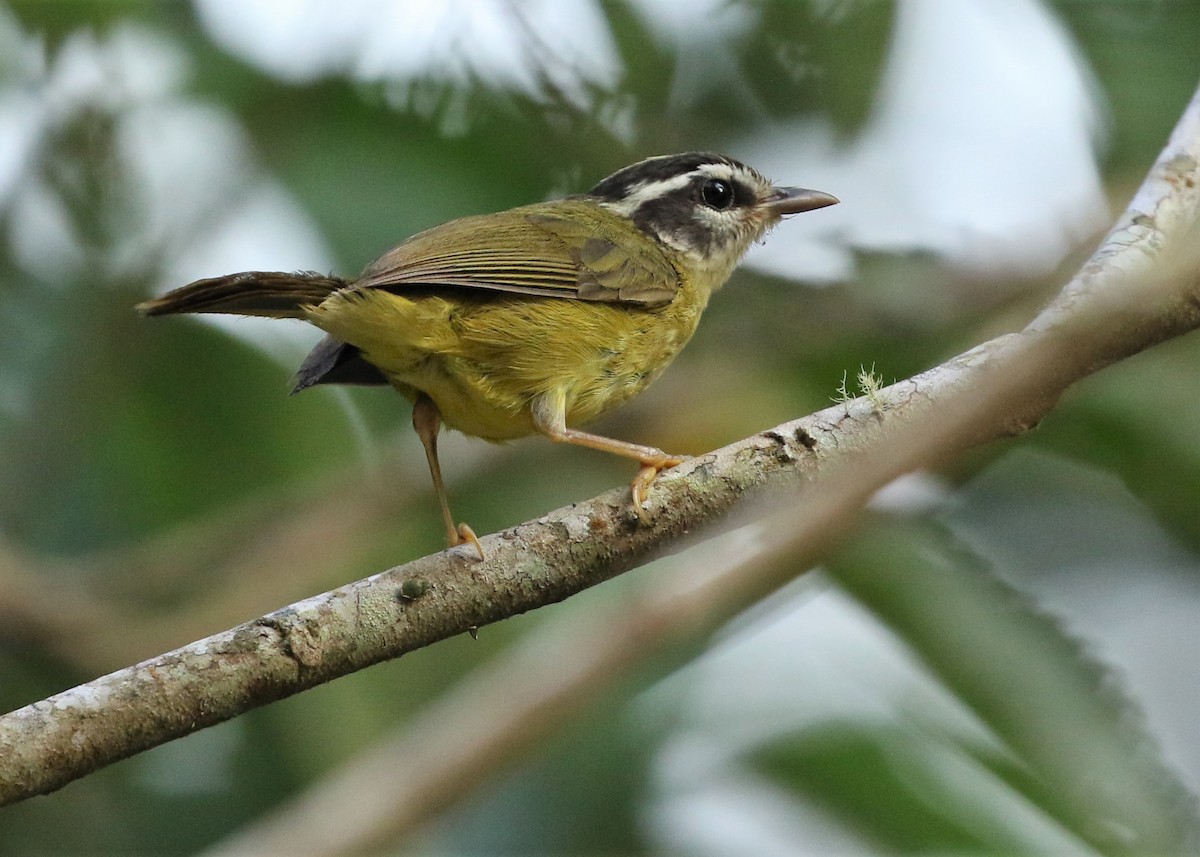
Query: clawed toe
[
  {"x": 641, "y": 482},
  {"x": 465, "y": 535}
]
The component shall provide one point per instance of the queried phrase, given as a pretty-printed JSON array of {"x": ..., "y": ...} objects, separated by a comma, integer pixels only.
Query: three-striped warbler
[{"x": 535, "y": 319}]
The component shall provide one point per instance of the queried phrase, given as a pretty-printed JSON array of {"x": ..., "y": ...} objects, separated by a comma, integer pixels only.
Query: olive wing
[{"x": 573, "y": 252}]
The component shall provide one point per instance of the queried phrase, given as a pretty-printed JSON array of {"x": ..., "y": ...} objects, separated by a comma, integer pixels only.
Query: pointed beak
[{"x": 793, "y": 200}]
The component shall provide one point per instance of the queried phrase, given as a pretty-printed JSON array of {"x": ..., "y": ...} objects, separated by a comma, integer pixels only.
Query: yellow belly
[{"x": 484, "y": 361}]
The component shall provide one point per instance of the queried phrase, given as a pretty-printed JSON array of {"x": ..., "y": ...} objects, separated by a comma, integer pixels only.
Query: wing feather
[{"x": 558, "y": 251}]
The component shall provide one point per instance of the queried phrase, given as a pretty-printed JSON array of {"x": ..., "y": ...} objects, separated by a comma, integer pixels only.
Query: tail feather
[{"x": 273, "y": 294}]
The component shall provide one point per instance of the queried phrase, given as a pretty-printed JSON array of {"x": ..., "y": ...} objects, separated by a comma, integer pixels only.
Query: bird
[{"x": 532, "y": 320}]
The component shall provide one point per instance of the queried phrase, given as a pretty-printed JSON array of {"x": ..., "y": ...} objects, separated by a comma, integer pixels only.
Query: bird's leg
[
  {"x": 427, "y": 421},
  {"x": 549, "y": 418}
]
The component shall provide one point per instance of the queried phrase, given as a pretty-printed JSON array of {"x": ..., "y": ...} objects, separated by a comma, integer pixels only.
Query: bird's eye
[{"x": 717, "y": 194}]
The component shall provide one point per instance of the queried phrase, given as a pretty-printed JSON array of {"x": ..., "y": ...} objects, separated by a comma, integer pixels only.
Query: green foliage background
[{"x": 158, "y": 484}]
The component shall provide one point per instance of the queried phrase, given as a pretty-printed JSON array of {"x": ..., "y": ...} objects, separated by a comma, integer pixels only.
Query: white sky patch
[
  {"x": 41, "y": 235},
  {"x": 20, "y": 121},
  {"x": 982, "y": 149},
  {"x": 263, "y": 230},
  {"x": 21, "y": 111},
  {"x": 497, "y": 42},
  {"x": 704, "y": 35},
  {"x": 187, "y": 188}
]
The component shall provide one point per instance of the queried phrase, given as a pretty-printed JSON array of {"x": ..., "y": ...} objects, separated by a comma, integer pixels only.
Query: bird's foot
[
  {"x": 463, "y": 534},
  {"x": 641, "y": 482}
]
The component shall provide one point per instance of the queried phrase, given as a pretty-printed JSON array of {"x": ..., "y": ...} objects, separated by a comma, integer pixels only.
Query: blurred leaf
[
  {"x": 58, "y": 19},
  {"x": 900, "y": 788},
  {"x": 1135, "y": 50},
  {"x": 1137, "y": 421},
  {"x": 582, "y": 792},
  {"x": 1035, "y": 687},
  {"x": 820, "y": 57}
]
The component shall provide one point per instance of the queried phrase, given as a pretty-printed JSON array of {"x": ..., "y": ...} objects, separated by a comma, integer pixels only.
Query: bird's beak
[{"x": 793, "y": 200}]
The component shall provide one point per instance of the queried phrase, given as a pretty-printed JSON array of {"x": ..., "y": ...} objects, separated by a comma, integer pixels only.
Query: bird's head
[{"x": 706, "y": 207}]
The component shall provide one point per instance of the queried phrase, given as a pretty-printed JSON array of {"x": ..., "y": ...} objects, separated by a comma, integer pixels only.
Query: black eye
[{"x": 717, "y": 194}]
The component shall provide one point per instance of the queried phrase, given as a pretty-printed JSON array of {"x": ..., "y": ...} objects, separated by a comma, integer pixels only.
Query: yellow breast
[{"x": 483, "y": 360}]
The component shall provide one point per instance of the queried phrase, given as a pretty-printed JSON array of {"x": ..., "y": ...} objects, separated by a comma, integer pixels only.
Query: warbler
[{"x": 531, "y": 320}]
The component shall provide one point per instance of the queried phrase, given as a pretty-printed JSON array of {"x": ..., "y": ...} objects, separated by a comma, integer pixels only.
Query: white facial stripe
[
  {"x": 647, "y": 191},
  {"x": 656, "y": 189},
  {"x": 698, "y": 231},
  {"x": 728, "y": 172},
  {"x": 716, "y": 171}
]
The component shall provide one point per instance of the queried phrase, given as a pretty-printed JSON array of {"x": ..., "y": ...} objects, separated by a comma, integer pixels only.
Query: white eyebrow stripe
[
  {"x": 719, "y": 171},
  {"x": 647, "y": 191}
]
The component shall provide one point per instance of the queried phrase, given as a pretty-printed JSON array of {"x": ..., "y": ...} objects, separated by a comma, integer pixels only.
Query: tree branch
[{"x": 1136, "y": 291}]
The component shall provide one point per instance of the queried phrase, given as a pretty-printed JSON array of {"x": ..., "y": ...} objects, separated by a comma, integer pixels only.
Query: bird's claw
[
  {"x": 641, "y": 482},
  {"x": 463, "y": 534}
]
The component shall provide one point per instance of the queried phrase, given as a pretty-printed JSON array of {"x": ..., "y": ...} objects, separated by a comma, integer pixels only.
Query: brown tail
[{"x": 273, "y": 294}]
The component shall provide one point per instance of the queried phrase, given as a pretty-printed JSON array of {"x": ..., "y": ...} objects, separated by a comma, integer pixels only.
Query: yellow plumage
[
  {"x": 535, "y": 319},
  {"x": 461, "y": 352}
]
